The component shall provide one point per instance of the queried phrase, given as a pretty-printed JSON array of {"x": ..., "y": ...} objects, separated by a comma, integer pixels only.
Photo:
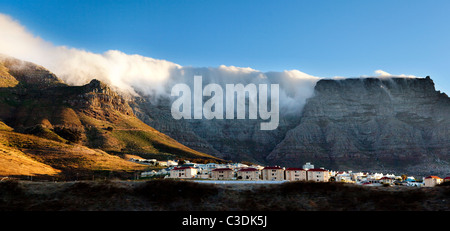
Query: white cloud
[
  {"x": 384, "y": 74},
  {"x": 138, "y": 74}
]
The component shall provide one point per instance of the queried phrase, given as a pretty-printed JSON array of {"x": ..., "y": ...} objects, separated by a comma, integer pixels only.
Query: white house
[
  {"x": 203, "y": 173},
  {"x": 183, "y": 172},
  {"x": 295, "y": 174},
  {"x": 275, "y": 173},
  {"x": 149, "y": 173},
  {"x": 318, "y": 175},
  {"x": 248, "y": 174},
  {"x": 431, "y": 181},
  {"x": 222, "y": 174},
  {"x": 343, "y": 177}
]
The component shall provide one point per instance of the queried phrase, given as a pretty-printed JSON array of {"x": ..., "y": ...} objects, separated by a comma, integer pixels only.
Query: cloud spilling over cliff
[{"x": 138, "y": 74}]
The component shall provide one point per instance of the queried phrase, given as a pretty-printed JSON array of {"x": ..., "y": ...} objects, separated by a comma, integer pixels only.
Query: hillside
[
  {"x": 28, "y": 155},
  {"x": 63, "y": 121}
]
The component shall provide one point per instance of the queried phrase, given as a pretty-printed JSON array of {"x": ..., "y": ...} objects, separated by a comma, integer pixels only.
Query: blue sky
[{"x": 321, "y": 38}]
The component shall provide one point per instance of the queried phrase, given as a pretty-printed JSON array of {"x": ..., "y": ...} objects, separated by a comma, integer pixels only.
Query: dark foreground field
[{"x": 168, "y": 195}]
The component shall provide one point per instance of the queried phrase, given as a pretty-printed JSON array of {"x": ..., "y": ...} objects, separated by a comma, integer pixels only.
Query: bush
[
  {"x": 71, "y": 134},
  {"x": 10, "y": 188},
  {"x": 172, "y": 190},
  {"x": 95, "y": 189}
]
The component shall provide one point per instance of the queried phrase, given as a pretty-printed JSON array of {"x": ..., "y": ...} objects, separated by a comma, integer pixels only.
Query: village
[{"x": 243, "y": 173}]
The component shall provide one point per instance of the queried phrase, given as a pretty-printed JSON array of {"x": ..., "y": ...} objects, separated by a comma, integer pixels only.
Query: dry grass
[
  {"x": 30, "y": 155},
  {"x": 4, "y": 127},
  {"x": 15, "y": 162},
  {"x": 6, "y": 80}
]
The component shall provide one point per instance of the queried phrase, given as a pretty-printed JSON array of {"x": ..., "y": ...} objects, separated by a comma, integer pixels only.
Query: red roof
[
  {"x": 435, "y": 177},
  {"x": 222, "y": 169},
  {"x": 447, "y": 178},
  {"x": 181, "y": 168},
  {"x": 385, "y": 178},
  {"x": 295, "y": 169},
  {"x": 247, "y": 169},
  {"x": 274, "y": 167},
  {"x": 317, "y": 170}
]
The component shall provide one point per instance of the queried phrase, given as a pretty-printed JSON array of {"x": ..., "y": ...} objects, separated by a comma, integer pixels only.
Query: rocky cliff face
[
  {"x": 238, "y": 140},
  {"x": 99, "y": 95},
  {"x": 392, "y": 124},
  {"x": 395, "y": 124}
]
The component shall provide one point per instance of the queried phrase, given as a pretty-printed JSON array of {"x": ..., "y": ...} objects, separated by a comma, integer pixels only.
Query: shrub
[
  {"x": 173, "y": 190},
  {"x": 70, "y": 134},
  {"x": 10, "y": 188}
]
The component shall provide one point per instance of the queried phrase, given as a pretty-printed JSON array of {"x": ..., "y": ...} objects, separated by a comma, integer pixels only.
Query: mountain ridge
[
  {"x": 36, "y": 102},
  {"x": 386, "y": 124}
]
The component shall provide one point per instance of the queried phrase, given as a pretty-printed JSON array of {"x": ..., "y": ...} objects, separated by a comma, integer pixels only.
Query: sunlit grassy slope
[
  {"x": 48, "y": 127},
  {"x": 22, "y": 154}
]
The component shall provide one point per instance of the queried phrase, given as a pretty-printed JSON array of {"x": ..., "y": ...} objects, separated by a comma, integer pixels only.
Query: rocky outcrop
[
  {"x": 395, "y": 124},
  {"x": 27, "y": 73},
  {"x": 99, "y": 95}
]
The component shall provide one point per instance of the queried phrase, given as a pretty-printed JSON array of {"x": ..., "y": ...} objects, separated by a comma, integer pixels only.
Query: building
[
  {"x": 149, "y": 173},
  {"x": 248, "y": 174},
  {"x": 238, "y": 165},
  {"x": 318, "y": 175},
  {"x": 431, "y": 181},
  {"x": 203, "y": 173},
  {"x": 222, "y": 174},
  {"x": 183, "y": 172},
  {"x": 294, "y": 174},
  {"x": 172, "y": 163},
  {"x": 447, "y": 179},
  {"x": 275, "y": 173},
  {"x": 343, "y": 177},
  {"x": 308, "y": 166},
  {"x": 387, "y": 180},
  {"x": 211, "y": 165}
]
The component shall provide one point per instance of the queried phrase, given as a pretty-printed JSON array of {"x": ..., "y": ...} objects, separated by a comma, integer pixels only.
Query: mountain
[
  {"x": 238, "y": 140},
  {"x": 92, "y": 119},
  {"x": 371, "y": 124},
  {"x": 395, "y": 124}
]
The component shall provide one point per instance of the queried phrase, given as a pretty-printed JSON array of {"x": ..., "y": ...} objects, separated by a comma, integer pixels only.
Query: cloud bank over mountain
[{"x": 138, "y": 74}]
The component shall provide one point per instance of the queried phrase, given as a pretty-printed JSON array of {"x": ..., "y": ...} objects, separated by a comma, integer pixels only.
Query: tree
[{"x": 404, "y": 176}]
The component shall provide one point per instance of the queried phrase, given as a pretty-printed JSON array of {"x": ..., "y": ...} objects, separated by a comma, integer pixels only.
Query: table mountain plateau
[
  {"x": 367, "y": 124},
  {"x": 394, "y": 124}
]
